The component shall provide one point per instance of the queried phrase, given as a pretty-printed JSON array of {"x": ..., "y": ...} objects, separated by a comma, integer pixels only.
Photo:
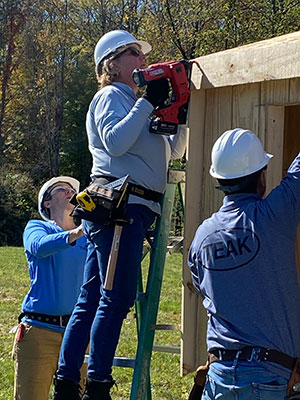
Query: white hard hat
[
  {"x": 237, "y": 153},
  {"x": 58, "y": 179},
  {"x": 112, "y": 40}
]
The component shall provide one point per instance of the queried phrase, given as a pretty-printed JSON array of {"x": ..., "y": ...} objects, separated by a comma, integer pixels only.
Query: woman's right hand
[
  {"x": 157, "y": 92},
  {"x": 75, "y": 233}
]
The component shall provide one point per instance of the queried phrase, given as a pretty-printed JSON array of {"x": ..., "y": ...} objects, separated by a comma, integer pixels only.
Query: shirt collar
[
  {"x": 125, "y": 88},
  {"x": 237, "y": 200}
]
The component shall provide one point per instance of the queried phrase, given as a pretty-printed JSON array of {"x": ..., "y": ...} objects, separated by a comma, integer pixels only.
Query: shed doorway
[{"x": 291, "y": 142}]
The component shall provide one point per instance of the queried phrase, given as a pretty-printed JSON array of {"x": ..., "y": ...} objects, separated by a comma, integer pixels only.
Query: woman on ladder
[{"x": 120, "y": 143}]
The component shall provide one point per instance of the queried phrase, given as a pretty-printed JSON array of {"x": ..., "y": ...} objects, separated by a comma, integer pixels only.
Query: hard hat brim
[{"x": 145, "y": 46}]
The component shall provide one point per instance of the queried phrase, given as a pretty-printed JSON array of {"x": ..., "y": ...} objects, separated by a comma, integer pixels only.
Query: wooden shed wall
[{"x": 260, "y": 107}]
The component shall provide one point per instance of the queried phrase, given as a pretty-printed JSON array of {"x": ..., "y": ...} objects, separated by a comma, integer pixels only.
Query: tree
[
  {"x": 47, "y": 75},
  {"x": 11, "y": 25}
]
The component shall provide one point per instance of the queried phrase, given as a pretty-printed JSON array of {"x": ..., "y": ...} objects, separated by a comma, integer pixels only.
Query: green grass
[
  {"x": 14, "y": 282},
  {"x": 166, "y": 382}
]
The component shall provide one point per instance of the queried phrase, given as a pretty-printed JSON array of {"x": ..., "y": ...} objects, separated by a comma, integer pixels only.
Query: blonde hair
[{"x": 106, "y": 72}]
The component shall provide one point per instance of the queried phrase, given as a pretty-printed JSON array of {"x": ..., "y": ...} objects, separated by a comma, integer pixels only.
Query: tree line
[{"x": 47, "y": 75}]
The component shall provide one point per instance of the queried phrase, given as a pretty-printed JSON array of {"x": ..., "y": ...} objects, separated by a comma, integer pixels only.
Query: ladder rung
[
  {"x": 124, "y": 362},
  {"x": 176, "y": 176},
  {"x": 140, "y": 296},
  {"x": 165, "y": 327},
  {"x": 175, "y": 239},
  {"x": 175, "y": 244},
  {"x": 166, "y": 349}
]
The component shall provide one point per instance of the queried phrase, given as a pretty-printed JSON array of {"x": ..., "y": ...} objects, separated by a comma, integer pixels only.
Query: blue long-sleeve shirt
[
  {"x": 55, "y": 270},
  {"x": 243, "y": 263},
  {"x": 117, "y": 125}
]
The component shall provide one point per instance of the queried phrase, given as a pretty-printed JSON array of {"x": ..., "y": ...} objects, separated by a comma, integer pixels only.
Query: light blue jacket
[{"x": 117, "y": 126}]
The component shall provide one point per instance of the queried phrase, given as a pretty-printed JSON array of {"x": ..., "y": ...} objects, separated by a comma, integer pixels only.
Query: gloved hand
[{"x": 157, "y": 92}]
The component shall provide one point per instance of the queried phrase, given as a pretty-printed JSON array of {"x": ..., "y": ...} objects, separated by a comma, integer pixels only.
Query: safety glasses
[
  {"x": 57, "y": 189},
  {"x": 133, "y": 51},
  {"x": 61, "y": 189}
]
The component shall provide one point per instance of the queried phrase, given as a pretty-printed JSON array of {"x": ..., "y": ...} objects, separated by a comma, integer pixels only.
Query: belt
[
  {"x": 136, "y": 190},
  {"x": 252, "y": 353},
  {"x": 59, "y": 320},
  {"x": 143, "y": 192}
]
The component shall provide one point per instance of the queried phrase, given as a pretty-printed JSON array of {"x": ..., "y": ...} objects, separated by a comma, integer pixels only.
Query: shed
[{"x": 257, "y": 87}]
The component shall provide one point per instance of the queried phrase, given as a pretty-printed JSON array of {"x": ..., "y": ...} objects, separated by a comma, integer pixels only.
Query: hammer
[
  {"x": 113, "y": 256},
  {"x": 114, "y": 251}
]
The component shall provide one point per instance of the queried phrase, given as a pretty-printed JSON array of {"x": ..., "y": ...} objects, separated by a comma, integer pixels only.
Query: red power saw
[{"x": 174, "y": 112}]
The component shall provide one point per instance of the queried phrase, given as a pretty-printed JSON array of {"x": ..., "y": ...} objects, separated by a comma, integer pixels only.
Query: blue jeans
[
  {"x": 99, "y": 313},
  {"x": 243, "y": 380}
]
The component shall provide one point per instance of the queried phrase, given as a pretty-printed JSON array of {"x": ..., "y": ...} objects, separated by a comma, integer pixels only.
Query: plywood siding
[
  {"x": 272, "y": 93},
  {"x": 217, "y": 119},
  {"x": 274, "y": 144},
  {"x": 245, "y": 107},
  {"x": 275, "y": 92},
  {"x": 294, "y": 92},
  {"x": 194, "y": 175}
]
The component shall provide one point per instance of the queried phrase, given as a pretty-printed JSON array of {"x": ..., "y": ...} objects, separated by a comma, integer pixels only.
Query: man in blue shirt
[
  {"x": 56, "y": 251},
  {"x": 243, "y": 263}
]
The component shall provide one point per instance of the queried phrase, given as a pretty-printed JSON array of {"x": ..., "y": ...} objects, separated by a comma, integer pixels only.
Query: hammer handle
[{"x": 113, "y": 256}]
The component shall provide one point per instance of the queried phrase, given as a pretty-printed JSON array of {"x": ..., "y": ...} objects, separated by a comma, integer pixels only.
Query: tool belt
[
  {"x": 59, "y": 320},
  {"x": 107, "y": 204},
  {"x": 136, "y": 190}
]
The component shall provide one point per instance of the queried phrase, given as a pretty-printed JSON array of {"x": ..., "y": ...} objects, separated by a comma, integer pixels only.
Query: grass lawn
[{"x": 166, "y": 382}]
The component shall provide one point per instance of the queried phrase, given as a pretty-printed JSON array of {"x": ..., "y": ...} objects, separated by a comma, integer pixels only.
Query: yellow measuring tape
[{"x": 85, "y": 201}]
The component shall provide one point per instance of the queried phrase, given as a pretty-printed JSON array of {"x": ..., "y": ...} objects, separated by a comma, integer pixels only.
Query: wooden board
[
  {"x": 272, "y": 93},
  {"x": 194, "y": 174},
  {"x": 275, "y": 92},
  {"x": 274, "y": 145},
  {"x": 294, "y": 94},
  {"x": 267, "y": 60},
  {"x": 245, "y": 110},
  {"x": 201, "y": 199}
]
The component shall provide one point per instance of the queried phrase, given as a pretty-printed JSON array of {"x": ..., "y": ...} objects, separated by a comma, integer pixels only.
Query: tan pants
[{"x": 36, "y": 357}]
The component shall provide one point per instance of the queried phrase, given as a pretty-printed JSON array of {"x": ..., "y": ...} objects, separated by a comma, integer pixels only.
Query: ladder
[{"x": 147, "y": 302}]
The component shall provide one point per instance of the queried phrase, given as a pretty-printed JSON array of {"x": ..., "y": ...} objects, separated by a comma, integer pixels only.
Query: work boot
[
  {"x": 66, "y": 390},
  {"x": 97, "y": 390}
]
